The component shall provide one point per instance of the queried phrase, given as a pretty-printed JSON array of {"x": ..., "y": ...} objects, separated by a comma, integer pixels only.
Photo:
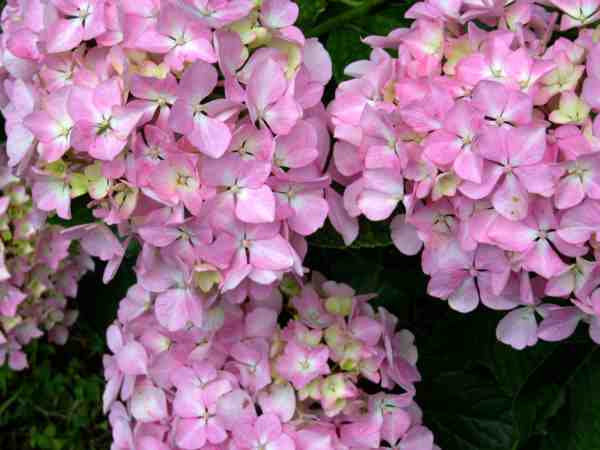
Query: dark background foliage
[{"x": 476, "y": 393}]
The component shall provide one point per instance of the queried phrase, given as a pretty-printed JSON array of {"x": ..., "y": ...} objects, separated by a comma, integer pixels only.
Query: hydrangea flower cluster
[
  {"x": 39, "y": 272},
  {"x": 195, "y": 127},
  {"x": 294, "y": 367},
  {"x": 479, "y": 139}
]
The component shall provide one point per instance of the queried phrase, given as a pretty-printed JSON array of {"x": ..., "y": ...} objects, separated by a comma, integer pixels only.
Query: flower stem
[{"x": 340, "y": 19}]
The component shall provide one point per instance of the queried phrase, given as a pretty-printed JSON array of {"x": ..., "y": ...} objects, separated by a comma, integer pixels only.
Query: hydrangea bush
[
  {"x": 479, "y": 140},
  {"x": 195, "y": 134},
  {"x": 197, "y": 129}
]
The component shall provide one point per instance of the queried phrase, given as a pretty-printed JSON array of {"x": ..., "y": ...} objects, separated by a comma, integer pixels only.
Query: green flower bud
[
  {"x": 334, "y": 337},
  {"x": 339, "y": 306},
  {"x": 57, "y": 168},
  {"x": 8, "y": 323},
  {"x": 349, "y": 365},
  {"x": 289, "y": 286},
  {"x": 206, "y": 280},
  {"x": 79, "y": 184},
  {"x": 22, "y": 248}
]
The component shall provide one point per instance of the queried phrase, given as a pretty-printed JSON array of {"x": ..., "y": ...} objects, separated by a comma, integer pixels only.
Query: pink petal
[
  {"x": 188, "y": 402},
  {"x": 405, "y": 236},
  {"x": 469, "y": 166},
  {"x": 132, "y": 359},
  {"x": 53, "y": 195},
  {"x": 340, "y": 219},
  {"x": 210, "y": 136},
  {"x": 376, "y": 205},
  {"x": 267, "y": 84},
  {"x": 443, "y": 283},
  {"x": 518, "y": 328},
  {"x": 236, "y": 408},
  {"x": 527, "y": 145},
  {"x": 510, "y": 235},
  {"x": 255, "y": 205},
  {"x": 310, "y": 212},
  {"x": 148, "y": 403},
  {"x": 466, "y": 298},
  {"x": 569, "y": 192},
  {"x": 278, "y": 13},
  {"x": 268, "y": 427},
  {"x": 283, "y": 115},
  {"x": 64, "y": 35},
  {"x": 271, "y": 254},
  {"x": 511, "y": 199},
  {"x": 278, "y": 399},
  {"x": 543, "y": 260},
  {"x": 114, "y": 338},
  {"x": 171, "y": 309},
  {"x": 261, "y": 322},
  {"x": 559, "y": 324}
]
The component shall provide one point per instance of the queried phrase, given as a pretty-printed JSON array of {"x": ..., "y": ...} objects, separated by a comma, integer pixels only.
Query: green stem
[
  {"x": 8, "y": 402},
  {"x": 352, "y": 3},
  {"x": 336, "y": 21}
]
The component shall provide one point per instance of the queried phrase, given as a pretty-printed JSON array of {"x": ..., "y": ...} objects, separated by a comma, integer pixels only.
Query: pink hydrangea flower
[
  {"x": 301, "y": 364},
  {"x": 235, "y": 394},
  {"x": 480, "y": 145}
]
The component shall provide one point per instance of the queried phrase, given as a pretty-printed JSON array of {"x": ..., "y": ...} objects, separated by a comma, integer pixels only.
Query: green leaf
[
  {"x": 385, "y": 20},
  {"x": 467, "y": 411},
  {"x": 577, "y": 425},
  {"x": 462, "y": 402},
  {"x": 371, "y": 235},
  {"x": 543, "y": 394},
  {"x": 512, "y": 368},
  {"x": 522, "y": 389},
  {"x": 310, "y": 10},
  {"x": 345, "y": 46},
  {"x": 532, "y": 409}
]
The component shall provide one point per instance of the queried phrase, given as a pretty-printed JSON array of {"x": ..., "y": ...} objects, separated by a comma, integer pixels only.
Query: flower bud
[
  {"x": 290, "y": 286},
  {"x": 79, "y": 184},
  {"x": 339, "y": 306},
  {"x": 9, "y": 323},
  {"x": 207, "y": 279}
]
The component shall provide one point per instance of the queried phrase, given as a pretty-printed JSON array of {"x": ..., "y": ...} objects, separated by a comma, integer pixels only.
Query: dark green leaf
[
  {"x": 577, "y": 425},
  {"x": 385, "y": 20},
  {"x": 467, "y": 411},
  {"x": 371, "y": 235},
  {"x": 543, "y": 394},
  {"x": 310, "y": 11},
  {"x": 345, "y": 46},
  {"x": 513, "y": 368}
]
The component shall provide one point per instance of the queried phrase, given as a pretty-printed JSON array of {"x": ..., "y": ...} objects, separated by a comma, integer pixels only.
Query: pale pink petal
[
  {"x": 278, "y": 13},
  {"x": 511, "y": 199},
  {"x": 518, "y": 328},
  {"x": 171, "y": 309},
  {"x": 271, "y": 254},
  {"x": 255, "y": 205},
  {"x": 405, "y": 236}
]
